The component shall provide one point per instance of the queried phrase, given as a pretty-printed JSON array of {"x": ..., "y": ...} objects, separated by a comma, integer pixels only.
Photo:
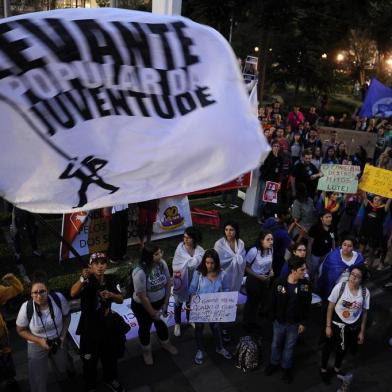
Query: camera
[{"x": 54, "y": 344}]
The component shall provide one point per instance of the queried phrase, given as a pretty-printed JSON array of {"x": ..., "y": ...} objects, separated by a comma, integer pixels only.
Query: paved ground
[{"x": 371, "y": 368}]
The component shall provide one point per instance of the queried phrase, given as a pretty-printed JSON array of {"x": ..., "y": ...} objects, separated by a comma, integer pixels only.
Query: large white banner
[{"x": 110, "y": 106}]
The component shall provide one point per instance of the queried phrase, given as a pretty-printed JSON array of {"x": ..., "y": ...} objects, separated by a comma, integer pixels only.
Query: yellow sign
[{"x": 377, "y": 181}]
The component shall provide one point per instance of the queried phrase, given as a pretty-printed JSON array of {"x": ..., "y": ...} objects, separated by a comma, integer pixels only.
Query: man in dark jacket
[{"x": 289, "y": 309}]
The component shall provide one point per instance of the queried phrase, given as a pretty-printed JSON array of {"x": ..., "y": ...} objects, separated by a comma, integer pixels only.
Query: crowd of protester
[{"x": 310, "y": 242}]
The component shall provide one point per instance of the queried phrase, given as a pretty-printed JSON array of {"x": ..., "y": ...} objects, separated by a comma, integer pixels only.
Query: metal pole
[
  {"x": 7, "y": 8},
  {"x": 167, "y": 7},
  {"x": 231, "y": 29},
  {"x": 113, "y": 3}
]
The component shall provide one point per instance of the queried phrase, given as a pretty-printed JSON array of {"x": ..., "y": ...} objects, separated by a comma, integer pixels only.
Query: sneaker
[
  {"x": 388, "y": 285},
  {"x": 287, "y": 376},
  {"x": 270, "y": 369},
  {"x": 177, "y": 330},
  {"x": 220, "y": 205},
  {"x": 37, "y": 253},
  {"x": 226, "y": 354},
  {"x": 192, "y": 325},
  {"x": 233, "y": 206},
  {"x": 115, "y": 386},
  {"x": 199, "y": 357}
]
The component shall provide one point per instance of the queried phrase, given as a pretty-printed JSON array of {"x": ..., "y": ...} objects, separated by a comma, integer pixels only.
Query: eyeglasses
[{"x": 39, "y": 292}]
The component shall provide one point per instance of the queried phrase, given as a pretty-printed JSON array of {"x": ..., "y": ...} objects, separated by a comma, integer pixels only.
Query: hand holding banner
[
  {"x": 339, "y": 178},
  {"x": 377, "y": 181},
  {"x": 110, "y": 106},
  {"x": 214, "y": 307}
]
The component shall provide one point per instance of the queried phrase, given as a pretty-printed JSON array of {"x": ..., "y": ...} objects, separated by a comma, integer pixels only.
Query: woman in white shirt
[
  {"x": 231, "y": 252},
  {"x": 43, "y": 322},
  {"x": 346, "y": 319},
  {"x": 259, "y": 272},
  {"x": 187, "y": 258}
]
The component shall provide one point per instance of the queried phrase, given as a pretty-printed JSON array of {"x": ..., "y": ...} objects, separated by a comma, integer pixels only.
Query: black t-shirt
[
  {"x": 291, "y": 310},
  {"x": 302, "y": 174},
  {"x": 272, "y": 168},
  {"x": 322, "y": 239},
  {"x": 93, "y": 306}
]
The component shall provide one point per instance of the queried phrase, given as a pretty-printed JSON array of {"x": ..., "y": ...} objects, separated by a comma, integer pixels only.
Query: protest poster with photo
[
  {"x": 270, "y": 194},
  {"x": 87, "y": 231},
  {"x": 111, "y": 106},
  {"x": 214, "y": 307},
  {"x": 339, "y": 178},
  {"x": 377, "y": 181}
]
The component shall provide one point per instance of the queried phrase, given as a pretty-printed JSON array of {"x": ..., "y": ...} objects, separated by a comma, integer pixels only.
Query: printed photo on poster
[{"x": 270, "y": 194}]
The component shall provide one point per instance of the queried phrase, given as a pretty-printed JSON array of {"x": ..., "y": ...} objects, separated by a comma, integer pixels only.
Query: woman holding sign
[
  {"x": 231, "y": 251},
  {"x": 209, "y": 278},
  {"x": 187, "y": 257}
]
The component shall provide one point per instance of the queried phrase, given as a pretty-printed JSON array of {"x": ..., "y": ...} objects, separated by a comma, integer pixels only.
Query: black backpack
[{"x": 51, "y": 295}]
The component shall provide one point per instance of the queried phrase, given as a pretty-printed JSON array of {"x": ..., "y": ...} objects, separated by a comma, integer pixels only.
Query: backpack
[
  {"x": 247, "y": 354},
  {"x": 30, "y": 305}
]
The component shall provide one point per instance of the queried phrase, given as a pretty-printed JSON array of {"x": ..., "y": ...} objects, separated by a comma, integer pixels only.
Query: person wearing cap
[{"x": 97, "y": 292}]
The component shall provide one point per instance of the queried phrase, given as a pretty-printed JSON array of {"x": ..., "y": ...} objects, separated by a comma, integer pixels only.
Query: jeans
[
  {"x": 215, "y": 329},
  {"x": 285, "y": 337},
  {"x": 314, "y": 269}
]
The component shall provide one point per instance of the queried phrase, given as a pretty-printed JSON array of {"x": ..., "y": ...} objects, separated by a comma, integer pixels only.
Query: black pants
[
  {"x": 178, "y": 309},
  {"x": 92, "y": 350},
  {"x": 145, "y": 322},
  {"x": 118, "y": 235},
  {"x": 334, "y": 343},
  {"x": 257, "y": 296}
]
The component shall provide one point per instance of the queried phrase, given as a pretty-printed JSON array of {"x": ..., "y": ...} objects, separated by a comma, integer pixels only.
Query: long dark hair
[
  {"x": 147, "y": 256},
  {"x": 260, "y": 238},
  {"x": 213, "y": 254},
  {"x": 235, "y": 226},
  {"x": 195, "y": 234}
]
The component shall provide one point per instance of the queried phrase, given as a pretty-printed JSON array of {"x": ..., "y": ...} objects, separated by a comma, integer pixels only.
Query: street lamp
[
  {"x": 339, "y": 57},
  {"x": 257, "y": 49},
  {"x": 324, "y": 56}
]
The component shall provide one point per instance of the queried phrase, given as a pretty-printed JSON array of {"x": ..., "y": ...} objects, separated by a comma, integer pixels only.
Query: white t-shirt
[
  {"x": 349, "y": 307},
  {"x": 154, "y": 285},
  {"x": 38, "y": 327},
  {"x": 259, "y": 264}
]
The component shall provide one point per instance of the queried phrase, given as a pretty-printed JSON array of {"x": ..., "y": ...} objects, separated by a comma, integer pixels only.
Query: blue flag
[{"x": 378, "y": 101}]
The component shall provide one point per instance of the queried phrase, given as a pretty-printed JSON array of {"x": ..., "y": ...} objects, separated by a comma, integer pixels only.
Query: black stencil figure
[{"x": 90, "y": 165}]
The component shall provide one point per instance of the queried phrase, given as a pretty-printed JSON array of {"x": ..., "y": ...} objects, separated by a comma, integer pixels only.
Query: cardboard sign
[
  {"x": 339, "y": 178},
  {"x": 214, "y": 307},
  {"x": 270, "y": 194},
  {"x": 377, "y": 181},
  {"x": 352, "y": 139}
]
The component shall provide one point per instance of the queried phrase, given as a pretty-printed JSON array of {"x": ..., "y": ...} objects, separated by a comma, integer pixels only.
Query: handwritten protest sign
[
  {"x": 214, "y": 307},
  {"x": 377, "y": 181},
  {"x": 339, "y": 178},
  {"x": 270, "y": 194}
]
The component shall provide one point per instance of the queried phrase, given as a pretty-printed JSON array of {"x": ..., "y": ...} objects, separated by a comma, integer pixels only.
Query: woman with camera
[{"x": 43, "y": 322}]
